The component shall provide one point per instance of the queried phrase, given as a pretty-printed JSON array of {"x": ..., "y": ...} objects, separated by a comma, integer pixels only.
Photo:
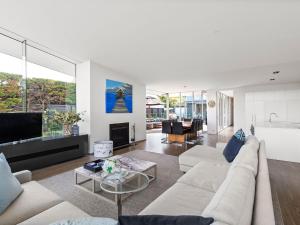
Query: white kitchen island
[{"x": 282, "y": 140}]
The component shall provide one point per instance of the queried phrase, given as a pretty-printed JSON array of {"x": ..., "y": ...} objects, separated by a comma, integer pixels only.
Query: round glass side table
[{"x": 127, "y": 183}]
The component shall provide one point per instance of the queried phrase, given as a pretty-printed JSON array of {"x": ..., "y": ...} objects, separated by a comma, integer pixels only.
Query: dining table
[{"x": 186, "y": 124}]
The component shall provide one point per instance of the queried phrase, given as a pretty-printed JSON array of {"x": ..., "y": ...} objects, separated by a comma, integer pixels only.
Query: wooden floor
[
  {"x": 284, "y": 176},
  {"x": 285, "y": 184}
]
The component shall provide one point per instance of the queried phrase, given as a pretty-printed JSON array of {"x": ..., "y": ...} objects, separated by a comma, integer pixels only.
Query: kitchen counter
[{"x": 282, "y": 140}]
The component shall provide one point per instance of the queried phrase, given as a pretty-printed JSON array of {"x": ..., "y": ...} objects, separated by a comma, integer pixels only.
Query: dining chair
[
  {"x": 178, "y": 128},
  {"x": 166, "y": 129}
]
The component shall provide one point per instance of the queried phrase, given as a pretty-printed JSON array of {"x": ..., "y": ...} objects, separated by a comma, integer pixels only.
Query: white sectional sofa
[
  {"x": 236, "y": 193},
  {"x": 37, "y": 205}
]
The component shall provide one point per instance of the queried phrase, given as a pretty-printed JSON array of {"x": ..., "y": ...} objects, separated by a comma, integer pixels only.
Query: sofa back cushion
[
  {"x": 10, "y": 187},
  {"x": 252, "y": 140},
  {"x": 247, "y": 158},
  {"x": 263, "y": 207},
  {"x": 233, "y": 202}
]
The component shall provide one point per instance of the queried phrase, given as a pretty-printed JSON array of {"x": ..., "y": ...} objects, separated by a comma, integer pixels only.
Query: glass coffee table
[
  {"x": 91, "y": 182},
  {"x": 130, "y": 182}
]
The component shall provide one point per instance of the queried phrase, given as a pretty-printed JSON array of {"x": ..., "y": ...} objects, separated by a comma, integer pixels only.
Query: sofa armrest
[
  {"x": 23, "y": 176},
  {"x": 221, "y": 146}
]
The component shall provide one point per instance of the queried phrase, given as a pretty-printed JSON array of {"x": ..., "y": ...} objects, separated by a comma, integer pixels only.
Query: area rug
[{"x": 167, "y": 174}]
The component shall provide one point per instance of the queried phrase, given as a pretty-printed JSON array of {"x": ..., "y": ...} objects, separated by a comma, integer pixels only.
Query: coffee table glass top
[{"x": 129, "y": 182}]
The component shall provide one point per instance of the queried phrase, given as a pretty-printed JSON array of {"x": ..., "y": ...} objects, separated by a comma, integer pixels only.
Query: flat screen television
[{"x": 20, "y": 126}]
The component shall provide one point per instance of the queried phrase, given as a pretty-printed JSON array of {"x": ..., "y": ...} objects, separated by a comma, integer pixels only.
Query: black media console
[{"x": 42, "y": 152}]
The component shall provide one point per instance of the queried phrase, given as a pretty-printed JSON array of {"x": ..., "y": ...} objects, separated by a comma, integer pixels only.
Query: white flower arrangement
[{"x": 109, "y": 166}]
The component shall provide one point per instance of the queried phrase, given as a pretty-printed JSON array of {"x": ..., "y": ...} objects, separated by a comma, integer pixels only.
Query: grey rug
[{"x": 167, "y": 174}]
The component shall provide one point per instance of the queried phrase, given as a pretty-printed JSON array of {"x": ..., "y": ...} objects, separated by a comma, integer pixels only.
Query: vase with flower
[{"x": 69, "y": 121}]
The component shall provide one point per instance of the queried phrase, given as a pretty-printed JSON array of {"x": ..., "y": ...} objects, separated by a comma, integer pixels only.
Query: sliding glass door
[{"x": 225, "y": 106}]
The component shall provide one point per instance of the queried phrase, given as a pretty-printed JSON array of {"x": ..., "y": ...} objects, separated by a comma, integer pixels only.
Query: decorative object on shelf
[
  {"x": 68, "y": 119},
  {"x": 109, "y": 166},
  {"x": 252, "y": 130},
  {"x": 118, "y": 97},
  {"x": 75, "y": 130},
  {"x": 103, "y": 149},
  {"x": 211, "y": 103},
  {"x": 133, "y": 135}
]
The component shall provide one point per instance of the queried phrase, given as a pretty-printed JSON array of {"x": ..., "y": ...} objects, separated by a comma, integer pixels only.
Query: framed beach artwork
[{"x": 118, "y": 97}]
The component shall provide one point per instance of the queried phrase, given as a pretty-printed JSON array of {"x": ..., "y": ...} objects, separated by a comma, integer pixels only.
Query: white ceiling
[{"x": 168, "y": 44}]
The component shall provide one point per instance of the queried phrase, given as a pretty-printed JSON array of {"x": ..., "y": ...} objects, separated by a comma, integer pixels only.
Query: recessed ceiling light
[
  {"x": 276, "y": 72},
  {"x": 272, "y": 79}
]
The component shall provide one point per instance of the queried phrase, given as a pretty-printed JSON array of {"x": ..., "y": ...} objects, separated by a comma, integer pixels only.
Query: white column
[
  {"x": 167, "y": 105},
  {"x": 212, "y": 124},
  {"x": 83, "y": 97}
]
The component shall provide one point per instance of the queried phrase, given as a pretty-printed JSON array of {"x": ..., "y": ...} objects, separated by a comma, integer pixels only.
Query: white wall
[
  {"x": 240, "y": 99},
  {"x": 98, "y": 119}
]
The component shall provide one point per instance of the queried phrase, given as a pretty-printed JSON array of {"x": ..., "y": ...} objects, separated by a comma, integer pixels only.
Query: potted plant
[{"x": 69, "y": 121}]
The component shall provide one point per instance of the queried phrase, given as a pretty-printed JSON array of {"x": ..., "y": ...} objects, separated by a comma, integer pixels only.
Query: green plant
[{"x": 67, "y": 118}]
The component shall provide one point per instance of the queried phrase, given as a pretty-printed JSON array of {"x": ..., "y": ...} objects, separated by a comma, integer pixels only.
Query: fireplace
[{"x": 119, "y": 134}]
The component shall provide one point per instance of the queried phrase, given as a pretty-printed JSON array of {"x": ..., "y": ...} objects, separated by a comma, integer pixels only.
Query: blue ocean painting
[{"x": 118, "y": 97}]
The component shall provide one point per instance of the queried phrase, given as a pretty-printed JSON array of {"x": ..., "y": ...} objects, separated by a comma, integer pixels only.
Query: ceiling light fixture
[{"x": 276, "y": 72}]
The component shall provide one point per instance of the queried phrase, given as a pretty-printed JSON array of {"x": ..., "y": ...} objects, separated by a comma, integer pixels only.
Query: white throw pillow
[{"x": 10, "y": 187}]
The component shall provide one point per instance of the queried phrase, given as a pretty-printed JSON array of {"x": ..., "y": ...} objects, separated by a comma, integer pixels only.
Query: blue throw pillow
[
  {"x": 164, "y": 220},
  {"x": 240, "y": 135},
  {"x": 10, "y": 187},
  {"x": 234, "y": 145}
]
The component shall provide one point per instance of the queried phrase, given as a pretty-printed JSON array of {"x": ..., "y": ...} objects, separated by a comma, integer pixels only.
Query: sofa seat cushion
[
  {"x": 206, "y": 175},
  {"x": 62, "y": 211},
  {"x": 200, "y": 153},
  {"x": 180, "y": 199},
  {"x": 34, "y": 200},
  {"x": 233, "y": 202}
]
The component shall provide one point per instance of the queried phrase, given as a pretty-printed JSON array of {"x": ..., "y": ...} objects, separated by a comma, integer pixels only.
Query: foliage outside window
[
  {"x": 11, "y": 92},
  {"x": 42, "y": 95},
  {"x": 32, "y": 80}
]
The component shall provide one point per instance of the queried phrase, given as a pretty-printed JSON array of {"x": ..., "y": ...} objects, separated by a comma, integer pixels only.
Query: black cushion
[
  {"x": 232, "y": 148},
  {"x": 164, "y": 220}
]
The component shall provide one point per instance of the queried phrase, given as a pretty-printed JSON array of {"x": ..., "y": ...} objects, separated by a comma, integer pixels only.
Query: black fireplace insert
[{"x": 119, "y": 134}]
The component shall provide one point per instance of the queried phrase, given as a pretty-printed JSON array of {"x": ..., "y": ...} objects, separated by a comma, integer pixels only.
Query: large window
[
  {"x": 32, "y": 80},
  {"x": 156, "y": 110},
  {"x": 184, "y": 105},
  {"x": 12, "y": 79},
  {"x": 175, "y": 106},
  {"x": 187, "y": 105}
]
